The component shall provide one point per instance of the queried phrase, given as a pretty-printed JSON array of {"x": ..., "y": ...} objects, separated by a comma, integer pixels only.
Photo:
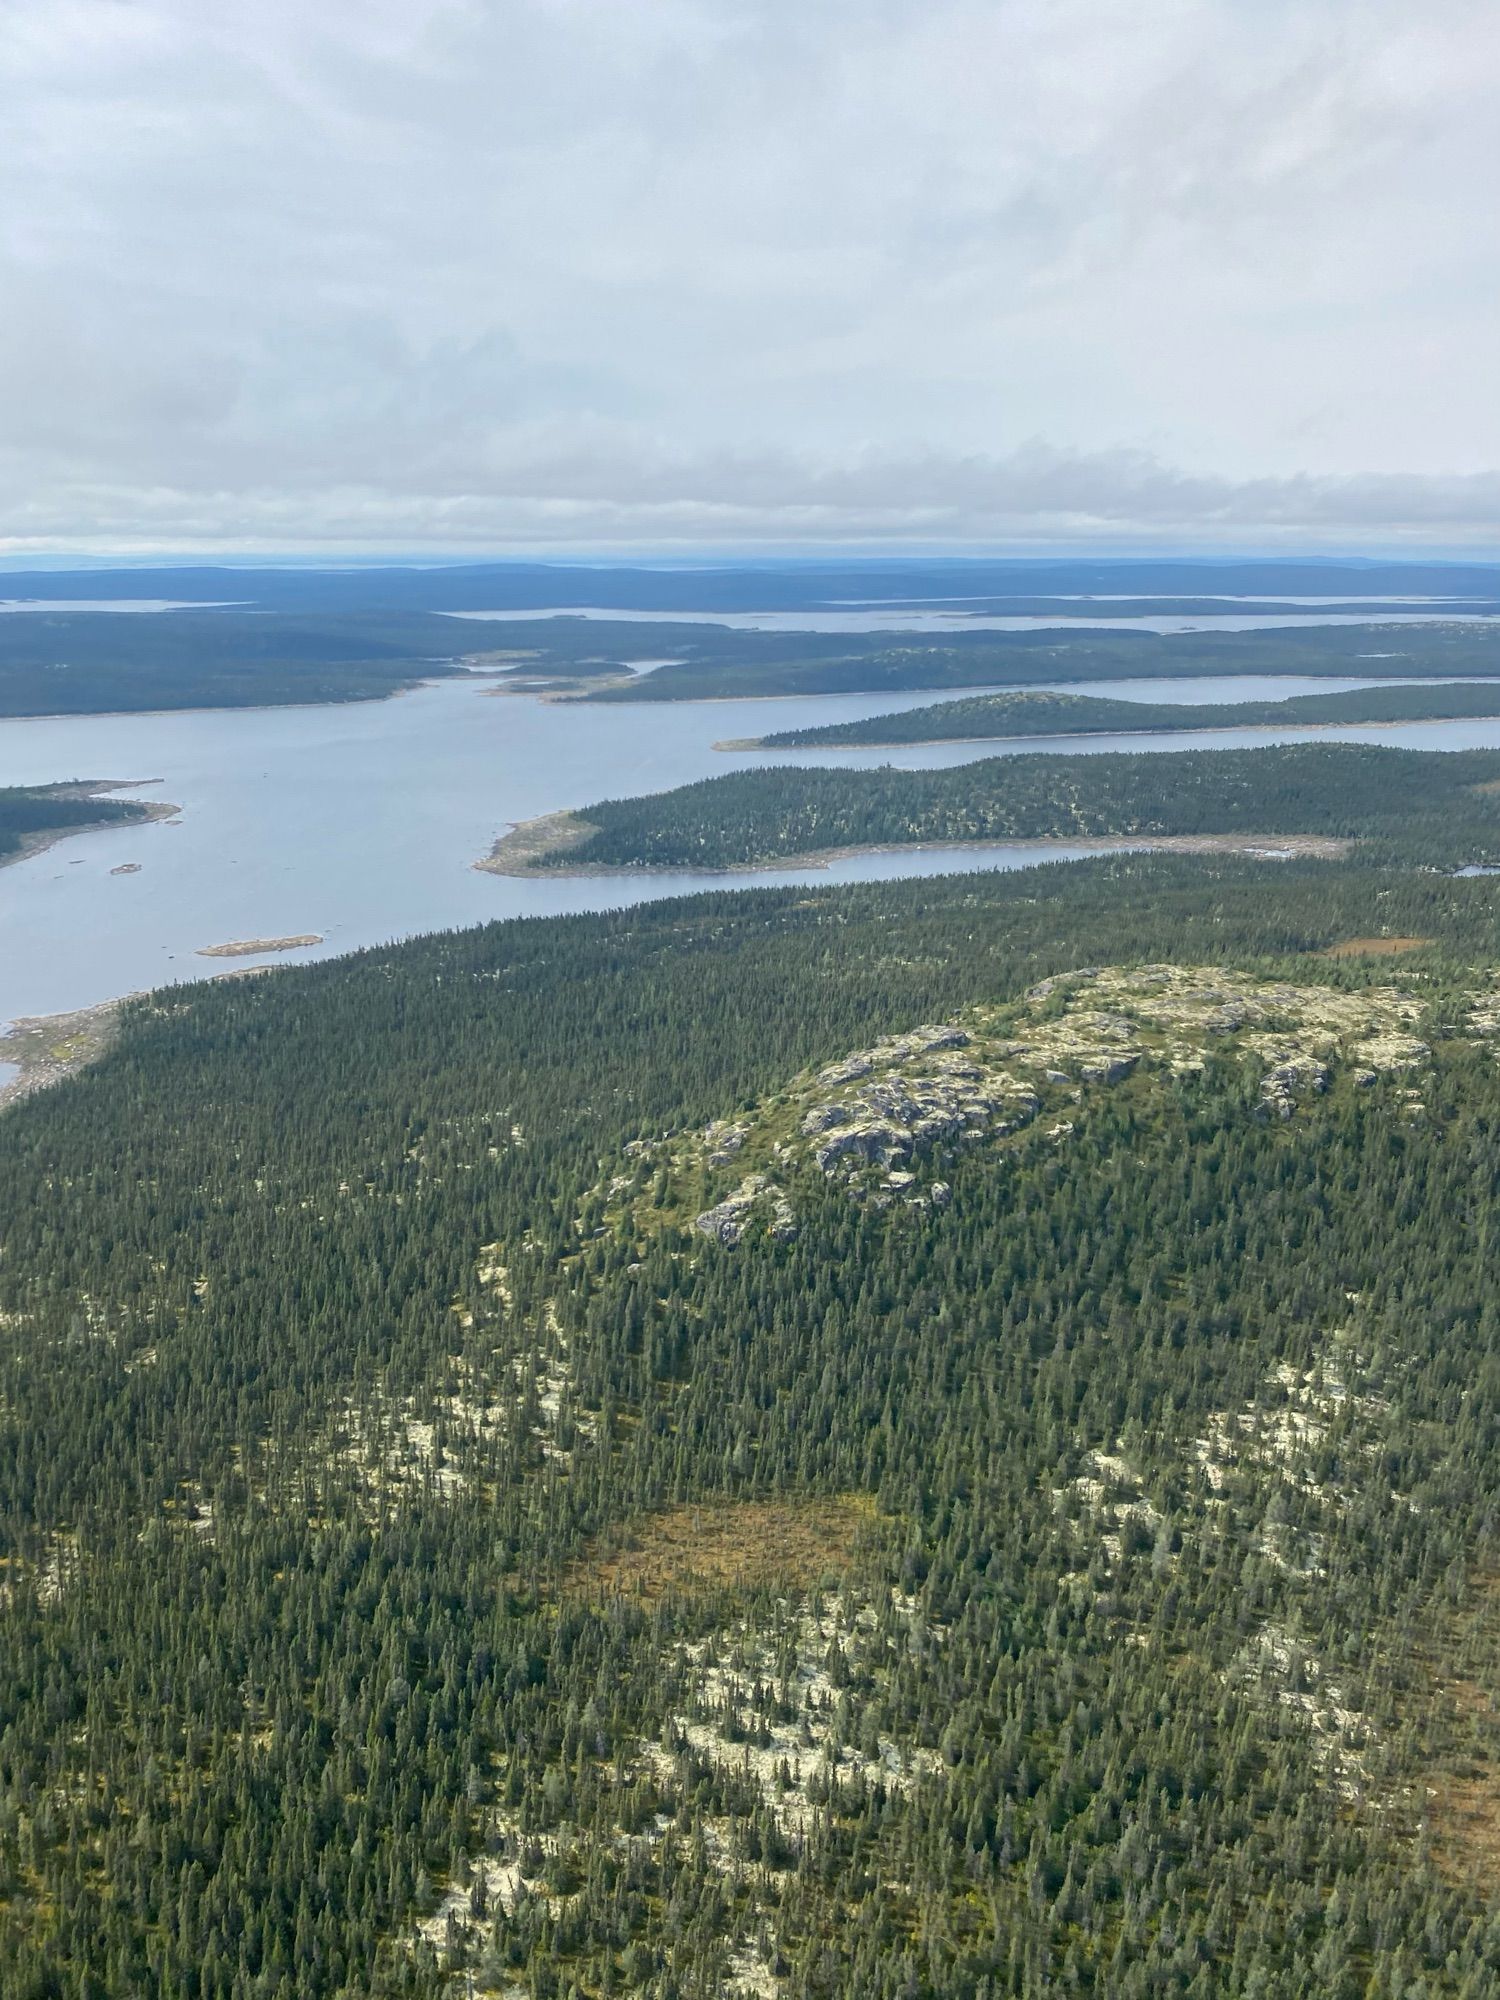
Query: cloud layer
[{"x": 471, "y": 272}]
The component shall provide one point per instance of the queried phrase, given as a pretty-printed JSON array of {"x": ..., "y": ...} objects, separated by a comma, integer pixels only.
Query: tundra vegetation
[{"x": 1057, "y": 1554}]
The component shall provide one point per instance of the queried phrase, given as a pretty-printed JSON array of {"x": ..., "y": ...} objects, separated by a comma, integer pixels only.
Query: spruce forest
[
  {"x": 749, "y": 1000},
  {"x": 936, "y": 1439},
  {"x": 1427, "y": 807},
  {"x": 32, "y": 816}
]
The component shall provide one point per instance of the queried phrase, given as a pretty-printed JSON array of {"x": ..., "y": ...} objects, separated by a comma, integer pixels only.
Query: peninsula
[
  {"x": 1439, "y": 809},
  {"x": 1023, "y": 712},
  {"x": 35, "y": 817}
]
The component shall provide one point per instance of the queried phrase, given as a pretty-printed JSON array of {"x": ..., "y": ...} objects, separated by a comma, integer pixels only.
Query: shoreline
[
  {"x": 460, "y": 673},
  {"x": 47, "y": 1048},
  {"x": 562, "y": 690},
  {"x": 964, "y": 690},
  {"x": 519, "y": 852},
  {"x": 741, "y": 743},
  {"x": 153, "y": 812}
]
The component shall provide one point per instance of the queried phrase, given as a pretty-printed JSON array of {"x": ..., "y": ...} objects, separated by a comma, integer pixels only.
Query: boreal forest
[
  {"x": 1032, "y": 712},
  {"x": 1432, "y": 808},
  {"x": 33, "y": 816},
  {"x": 934, "y": 1439}
]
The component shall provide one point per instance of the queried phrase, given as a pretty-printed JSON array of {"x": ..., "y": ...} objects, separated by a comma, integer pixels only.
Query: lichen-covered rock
[
  {"x": 881, "y": 1119},
  {"x": 823, "y": 1118},
  {"x": 1286, "y": 1082},
  {"x": 728, "y": 1220},
  {"x": 1109, "y": 1069},
  {"x": 724, "y": 1141},
  {"x": 891, "y": 1117},
  {"x": 783, "y": 1221},
  {"x": 845, "y": 1071},
  {"x": 1045, "y": 988},
  {"x": 886, "y": 1106},
  {"x": 894, "y": 1049}
]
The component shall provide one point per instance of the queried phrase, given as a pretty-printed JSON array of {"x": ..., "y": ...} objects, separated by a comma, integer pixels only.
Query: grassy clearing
[
  {"x": 1374, "y": 947},
  {"x": 711, "y": 1546},
  {"x": 1460, "y": 1780}
]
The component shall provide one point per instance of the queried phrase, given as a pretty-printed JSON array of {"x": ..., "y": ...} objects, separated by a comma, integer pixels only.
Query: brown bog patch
[
  {"x": 717, "y": 1545},
  {"x": 1461, "y": 1781},
  {"x": 1464, "y": 1820},
  {"x": 1374, "y": 947}
]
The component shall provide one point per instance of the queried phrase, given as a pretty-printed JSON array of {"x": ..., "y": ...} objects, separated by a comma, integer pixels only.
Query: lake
[
  {"x": 361, "y": 820},
  {"x": 907, "y": 620}
]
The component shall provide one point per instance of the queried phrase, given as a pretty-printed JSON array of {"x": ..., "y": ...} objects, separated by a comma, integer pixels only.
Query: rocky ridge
[{"x": 882, "y": 1119}]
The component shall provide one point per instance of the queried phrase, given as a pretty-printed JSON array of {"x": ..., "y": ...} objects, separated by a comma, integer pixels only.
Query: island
[
  {"x": 253, "y": 947},
  {"x": 1433, "y": 808},
  {"x": 301, "y": 643},
  {"x": 1025, "y": 712},
  {"x": 100, "y": 662}
]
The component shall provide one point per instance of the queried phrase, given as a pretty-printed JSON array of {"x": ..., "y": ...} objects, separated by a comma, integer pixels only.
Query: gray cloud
[{"x": 466, "y": 272}]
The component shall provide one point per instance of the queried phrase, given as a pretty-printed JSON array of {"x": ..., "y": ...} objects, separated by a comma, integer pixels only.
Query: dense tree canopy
[
  {"x": 355, "y": 1357},
  {"x": 33, "y": 814},
  {"x": 1054, "y": 714},
  {"x": 1426, "y": 806}
]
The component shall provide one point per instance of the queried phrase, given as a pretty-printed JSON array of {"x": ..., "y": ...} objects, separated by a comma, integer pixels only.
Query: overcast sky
[{"x": 490, "y": 273}]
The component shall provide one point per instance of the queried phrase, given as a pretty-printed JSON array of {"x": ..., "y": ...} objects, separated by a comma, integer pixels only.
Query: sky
[{"x": 478, "y": 275}]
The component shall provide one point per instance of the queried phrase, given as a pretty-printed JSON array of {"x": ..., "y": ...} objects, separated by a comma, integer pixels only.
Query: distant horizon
[{"x": 669, "y": 557}]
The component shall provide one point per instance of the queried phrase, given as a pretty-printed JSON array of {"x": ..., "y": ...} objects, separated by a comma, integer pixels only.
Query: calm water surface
[
  {"x": 21, "y": 604},
  {"x": 907, "y": 620},
  {"x": 361, "y": 820}
]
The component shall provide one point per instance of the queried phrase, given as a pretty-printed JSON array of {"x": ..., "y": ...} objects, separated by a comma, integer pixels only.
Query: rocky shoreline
[{"x": 46, "y": 1048}]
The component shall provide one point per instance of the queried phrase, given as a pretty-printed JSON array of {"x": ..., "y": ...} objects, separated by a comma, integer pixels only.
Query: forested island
[
  {"x": 928, "y": 1439},
  {"x": 1435, "y": 807},
  {"x": 1039, "y": 713},
  {"x": 33, "y": 817}
]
